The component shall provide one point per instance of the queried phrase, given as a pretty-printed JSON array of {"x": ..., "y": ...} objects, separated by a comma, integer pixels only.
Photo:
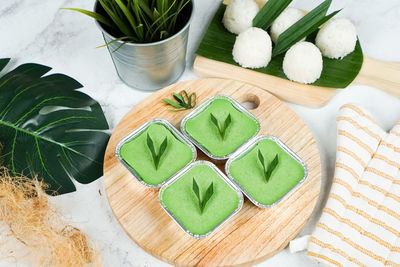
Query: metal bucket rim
[{"x": 184, "y": 28}]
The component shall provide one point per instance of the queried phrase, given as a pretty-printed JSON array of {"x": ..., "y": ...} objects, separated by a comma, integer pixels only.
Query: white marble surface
[{"x": 37, "y": 31}]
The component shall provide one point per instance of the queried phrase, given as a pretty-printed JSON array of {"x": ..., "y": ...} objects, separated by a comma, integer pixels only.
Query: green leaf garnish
[
  {"x": 270, "y": 11},
  {"x": 178, "y": 98},
  {"x": 182, "y": 101},
  {"x": 156, "y": 156},
  {"x": 172, "y": 103},
  {"x": 304, "y": 27},
  {"x": 222, "y": 127},
  {"x": 268, "y": 169},
  {"x": 202, "y": 202}
]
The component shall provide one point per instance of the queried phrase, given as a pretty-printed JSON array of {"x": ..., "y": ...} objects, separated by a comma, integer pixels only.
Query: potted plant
[
  {"x": 220, "y": 126},
  {"x": 154, "y": 152},
  {"x": 266, "y": 171},
  {"x": 200, "y": 198},
  {"x": 147, "y": 39}
]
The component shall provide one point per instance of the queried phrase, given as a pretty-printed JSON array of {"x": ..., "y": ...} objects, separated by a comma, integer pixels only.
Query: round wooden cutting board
[{"x": 252, "y": 235}]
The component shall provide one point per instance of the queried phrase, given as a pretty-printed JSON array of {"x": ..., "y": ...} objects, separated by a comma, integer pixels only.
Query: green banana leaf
[
  {"x": 217, "y": 44},
  {"x": 49, "y": 129}
]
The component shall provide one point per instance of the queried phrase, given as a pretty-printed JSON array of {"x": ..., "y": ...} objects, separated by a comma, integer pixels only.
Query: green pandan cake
[
  {"x": 220, "y": 126},
  {"x": 265, "y": 187},
  {"x": 134, "y": 152},
  {"x": 179, "y": 199}
]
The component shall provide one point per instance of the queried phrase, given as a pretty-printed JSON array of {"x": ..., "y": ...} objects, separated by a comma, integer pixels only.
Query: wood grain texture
[
  {"x": 375, "y": 73},
  {"x": 249, "y": 237},
  {"x": 293, "y": 92},
  {"x": 380, "y": 74}
]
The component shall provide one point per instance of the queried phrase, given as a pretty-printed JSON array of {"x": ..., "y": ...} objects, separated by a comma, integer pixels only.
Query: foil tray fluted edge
[
  {"x": 249, "y": 146},
  {"x": 141, "y": 128},
  {"x": 202, "y": 107},
  {"x": 184, "y": 171}
]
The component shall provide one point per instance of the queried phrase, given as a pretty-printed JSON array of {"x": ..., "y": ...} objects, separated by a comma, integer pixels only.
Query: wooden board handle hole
[{"x": 251, "y": 102}]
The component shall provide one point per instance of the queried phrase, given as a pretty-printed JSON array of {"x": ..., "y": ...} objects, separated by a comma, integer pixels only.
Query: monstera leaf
[{"x": 49, "y": 129}]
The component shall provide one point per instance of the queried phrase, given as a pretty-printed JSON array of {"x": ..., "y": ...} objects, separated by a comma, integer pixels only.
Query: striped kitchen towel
[{"x": 360, "y": 225}]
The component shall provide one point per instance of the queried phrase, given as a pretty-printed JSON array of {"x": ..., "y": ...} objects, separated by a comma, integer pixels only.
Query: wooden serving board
[
  {"x": 252, "y": 235},
  {"x": 375, "y": 73}
]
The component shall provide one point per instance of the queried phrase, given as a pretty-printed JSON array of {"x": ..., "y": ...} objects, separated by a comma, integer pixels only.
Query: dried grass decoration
[{"x": 32, "y": 231}]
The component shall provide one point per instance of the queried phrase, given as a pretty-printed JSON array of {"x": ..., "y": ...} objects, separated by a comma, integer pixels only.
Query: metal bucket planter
[{"x": 150, "y": 66}]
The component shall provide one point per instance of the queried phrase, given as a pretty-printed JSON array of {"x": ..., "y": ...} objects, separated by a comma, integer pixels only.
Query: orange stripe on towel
[
  {"x": 356, "y": 140},
  {"x": 323, "y": 257},
  {"x": 351, "y": 243},
  {"x": 352, "y": 154},
  {"x": 348, "y": 169},
  {"x": 361, "y": 230},
  {"x": 372, "y": 203},
  {"x": 355, "y": 124},
  {"x": 395, "y": 148},
  {"x": 337, "y": 251},
  {"x": 364, "y": 214},
  {"x": 360, "y": 112},
  {"x": 388, "y": 161},
  {"x": 391, "y": 263},
  {"x": 379, "y": 173},
  {"x": 374, "y": 187},
  {"x": 362, "y": 163},
  {"x": 369, "y": 169}
]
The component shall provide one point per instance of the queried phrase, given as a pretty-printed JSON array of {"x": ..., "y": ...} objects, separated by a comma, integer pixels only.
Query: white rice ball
[
  {"x": 303, "y": 63},
  {"x": 337, "y": 38},
  {"x": 286, "y": 19},
  {"x": 253, "y": 48},
  {"x": 239, "y": 15}
]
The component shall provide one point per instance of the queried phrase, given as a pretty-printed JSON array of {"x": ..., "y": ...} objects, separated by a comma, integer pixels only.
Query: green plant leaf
[
  {"x": 262, "y": 161},
  {"x": 268, "y": 170},
  {"x": 172, "y": 103},
  {"x": 163, "y": 148},
  {"x": 179, "y": 99},
  {"x": 183, "y": 101},
  {"x": 146, "y": 8},
  {"x": 196, "y": 190},
  {"x": 215, "y": 122},
  {"x": 222, "y": 127},
  {"x": 228, "y": 122},
  {"x": 192, "y": 99},
  {"x": 264, "y": 168},
  {"x": 142, "y": 21},
  {"x": 94, "y": 15},
  {"x": 127, "y": 13},
  {"x": 272, "y": 167},
  {"x": 302, "y": 28},
  {"x": 209, "y": 193},
  {"x": 156, "y": 156},
  {"x": 150, "y": 145},
  {"x": 270, "y": 11},
  {"x": 202, "y": 201},
  {"x": 50, "y": 129},
  {"x": 4, "y": 62},
  {"x": 116, "y": 18},
  {"x": 217, "y": 44},
  {"x": 261, "y": 157}
]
